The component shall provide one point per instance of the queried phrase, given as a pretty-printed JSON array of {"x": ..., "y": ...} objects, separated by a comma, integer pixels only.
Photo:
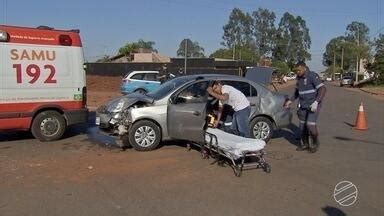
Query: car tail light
[
  {"x": 84, "y": 97},
  {"x": 65, "y": 40},
  {"x": 125, "y": 81},
  {"x": 4, "y": 36}
]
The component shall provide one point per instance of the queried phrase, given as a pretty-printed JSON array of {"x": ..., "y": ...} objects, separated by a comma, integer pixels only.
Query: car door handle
[
  {"x": 196, "y": 113},
  {"x": 253, "y": 104}
]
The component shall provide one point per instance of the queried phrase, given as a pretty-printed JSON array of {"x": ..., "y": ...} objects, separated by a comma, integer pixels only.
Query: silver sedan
[{"x": 179, "y": 109}]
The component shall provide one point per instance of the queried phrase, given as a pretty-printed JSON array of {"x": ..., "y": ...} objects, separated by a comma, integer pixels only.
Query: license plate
[{"x": 97, "y": 121}]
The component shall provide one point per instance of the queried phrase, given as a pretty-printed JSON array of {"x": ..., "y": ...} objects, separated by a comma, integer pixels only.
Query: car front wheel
[
  {"x": 144, "y": 136},
  {"x": 261, "y": 128}
]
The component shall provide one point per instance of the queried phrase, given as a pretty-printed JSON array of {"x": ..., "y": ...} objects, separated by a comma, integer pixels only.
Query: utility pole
[
  {"x": 342, "y": 58},
  {"x": 185, "y": 55},
  {"x": 240, "y": 54},
  {"x": 334, "y": 64},
  {"x": 234, "y": 51},
  {"x": 357, "y": 55}
]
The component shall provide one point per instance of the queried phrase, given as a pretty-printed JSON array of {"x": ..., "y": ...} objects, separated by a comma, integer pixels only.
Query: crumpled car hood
[{"x": 129, "y": 100}]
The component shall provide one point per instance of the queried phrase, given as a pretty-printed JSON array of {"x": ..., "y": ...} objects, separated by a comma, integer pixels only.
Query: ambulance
[{"x": 42, "y": 81}]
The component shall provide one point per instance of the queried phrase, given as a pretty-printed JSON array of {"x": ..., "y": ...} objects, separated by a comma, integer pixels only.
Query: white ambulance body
[{"x": 42, "y": 80}]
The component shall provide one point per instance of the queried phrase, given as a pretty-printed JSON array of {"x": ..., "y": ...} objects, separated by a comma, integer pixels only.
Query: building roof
[{"x": 150, "y": 57}]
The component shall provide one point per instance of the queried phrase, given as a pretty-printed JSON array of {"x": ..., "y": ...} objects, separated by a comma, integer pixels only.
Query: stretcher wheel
[
  {"x": 267, "y": 168},
  {"x": 237, "y": 171},
  {"x": 204, "y": 154},
  {"x": 189, "y": 147},
  {"x": 220, "y": 163}
]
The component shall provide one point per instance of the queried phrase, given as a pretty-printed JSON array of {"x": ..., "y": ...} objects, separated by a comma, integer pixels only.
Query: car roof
[
  {"x": 213, "y": 76},
  {"x": 136, "y": 72},
  {"x": 130, "y": 74}
]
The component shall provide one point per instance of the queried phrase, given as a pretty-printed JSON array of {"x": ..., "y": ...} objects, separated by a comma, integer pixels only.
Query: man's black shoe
[
  {"x": 303, "y": 144},
  {"x": 312, "y": 149},
  {"x": 314, "y": 146},
  {"x": 301, "y": 148}
]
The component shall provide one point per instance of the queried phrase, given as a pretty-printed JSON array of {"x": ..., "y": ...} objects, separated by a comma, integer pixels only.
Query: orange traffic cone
[{"x": 361, "y": 123}]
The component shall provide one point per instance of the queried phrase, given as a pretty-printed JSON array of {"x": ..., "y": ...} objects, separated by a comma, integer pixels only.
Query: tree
[
  {"x": 358, "y": 36},
  {"x": 342, "y": 51},
  {"x": 292, "y": 40},
  {"x": 193, "y": 49},
  {"x": 241, "y": 53},
  {"x": 355, "y": 44},
  {"x": 133, "y": 47},
  {"x": 281, "y": 67},
  {"x": 105, "y": 58},
  {"x": 222, "y": 53},
  {"x": 238, "y": 30},
  {"x": 378, "y": 65},
  {"x": 264, "y": 31},
  {"x": 357, "y": 31}
]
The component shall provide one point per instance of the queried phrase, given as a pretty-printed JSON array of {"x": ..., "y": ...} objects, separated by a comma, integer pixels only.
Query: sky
[{"x": 107, "y": 25}]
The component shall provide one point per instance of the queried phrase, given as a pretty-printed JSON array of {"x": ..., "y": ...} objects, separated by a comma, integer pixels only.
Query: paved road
[{"x": 77, "y": 176}]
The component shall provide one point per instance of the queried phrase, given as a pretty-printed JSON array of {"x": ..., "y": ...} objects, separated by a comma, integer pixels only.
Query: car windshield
[{"x": 167, "y": 87}]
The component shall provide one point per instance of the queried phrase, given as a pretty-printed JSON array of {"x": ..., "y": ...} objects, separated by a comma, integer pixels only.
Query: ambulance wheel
[
  {"x": 48, "y": 126},
  {"x": 261, "y": 128},
  {"x": 144, "y": 135}
]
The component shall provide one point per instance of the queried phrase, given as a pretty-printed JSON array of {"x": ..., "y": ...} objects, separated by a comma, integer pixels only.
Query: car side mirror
[
  {"x": 172, "y": 100},
  {"x": 179, "y": 100},
  {"x": 175, "y": 99}
]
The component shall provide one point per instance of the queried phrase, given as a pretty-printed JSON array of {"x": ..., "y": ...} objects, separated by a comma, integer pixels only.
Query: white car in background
[
  {"x": 289, "y": 76},
  {"x": 140, "y": 82}
]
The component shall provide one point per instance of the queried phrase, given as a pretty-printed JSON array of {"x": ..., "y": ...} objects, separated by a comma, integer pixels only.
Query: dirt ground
[
  {"x": 82, "y": 174},
  {"x": 377, "y": 90},
  {"x": 101, "y": 89}
]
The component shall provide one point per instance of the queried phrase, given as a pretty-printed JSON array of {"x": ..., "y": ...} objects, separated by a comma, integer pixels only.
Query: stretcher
[{"x": 242, "y": 153}]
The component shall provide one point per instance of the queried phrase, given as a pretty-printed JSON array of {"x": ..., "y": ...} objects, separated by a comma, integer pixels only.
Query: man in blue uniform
[{"x": 310, "y": 90}]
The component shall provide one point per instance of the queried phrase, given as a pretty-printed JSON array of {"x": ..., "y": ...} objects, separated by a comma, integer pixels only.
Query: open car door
[{"x": 187, "y": 112}]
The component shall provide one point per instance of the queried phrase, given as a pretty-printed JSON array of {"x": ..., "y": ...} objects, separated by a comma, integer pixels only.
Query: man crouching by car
[{"x": 229, "y": 95}]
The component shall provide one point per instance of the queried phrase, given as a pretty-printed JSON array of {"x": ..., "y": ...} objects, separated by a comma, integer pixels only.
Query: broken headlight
[{"x": 116, "y": 106}]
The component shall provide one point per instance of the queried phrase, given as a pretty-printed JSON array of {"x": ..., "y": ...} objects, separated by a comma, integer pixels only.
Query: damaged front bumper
[{"x": 112, "y": 123}]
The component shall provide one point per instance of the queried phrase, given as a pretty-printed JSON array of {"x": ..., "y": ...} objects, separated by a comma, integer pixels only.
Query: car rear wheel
[
  {"x": 48, "y": 126},
  {"x": 261, "y": 128},
  {"x": 141, "y": 91},
  {"x": 144, "y": 136}
]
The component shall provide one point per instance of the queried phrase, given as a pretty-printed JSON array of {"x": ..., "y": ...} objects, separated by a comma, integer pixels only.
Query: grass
[{"x": 374, "y": 88}]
